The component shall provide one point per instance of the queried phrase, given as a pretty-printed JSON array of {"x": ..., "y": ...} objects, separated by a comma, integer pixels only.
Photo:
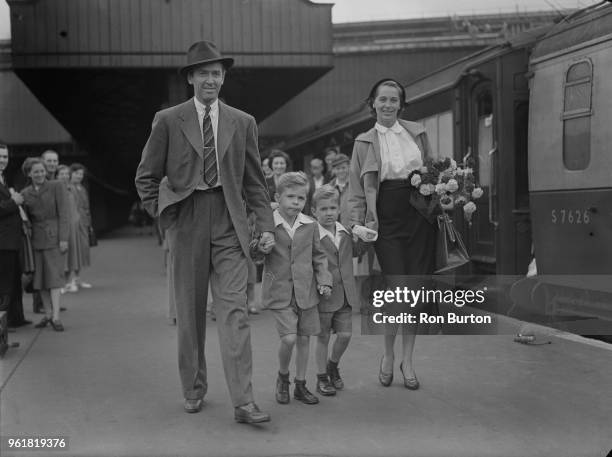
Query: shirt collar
[
  {"x": 201, "y": 107},
  {"x": 395, "y": 128},
  {"x": 299, "y": 220},
  {"x": 323, "y": 232}
]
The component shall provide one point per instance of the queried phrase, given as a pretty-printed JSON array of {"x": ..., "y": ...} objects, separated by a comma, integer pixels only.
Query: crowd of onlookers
[{"x": 45, "y": 236}]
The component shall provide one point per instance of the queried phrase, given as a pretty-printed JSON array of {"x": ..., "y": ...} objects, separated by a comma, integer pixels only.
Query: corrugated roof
[{"x": 23, "y": 119}]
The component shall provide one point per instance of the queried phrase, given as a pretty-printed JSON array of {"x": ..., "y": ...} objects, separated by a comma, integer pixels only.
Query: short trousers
[
  {"x": 295, "y": 320},
  {"x": 340, "y": 321}
]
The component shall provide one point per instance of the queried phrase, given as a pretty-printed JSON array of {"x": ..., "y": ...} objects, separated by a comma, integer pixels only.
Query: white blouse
[{"x": 399, "y": 153}]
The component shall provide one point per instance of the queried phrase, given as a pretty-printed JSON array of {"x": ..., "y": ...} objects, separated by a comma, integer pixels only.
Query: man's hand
[
  {"x": 63, "y": 246},
  {"x": 324, "y": 290},
  {"x": 274, "y": 205},
  {"x": 17, "y": 198},
  {"x": 266, "y": 242}
]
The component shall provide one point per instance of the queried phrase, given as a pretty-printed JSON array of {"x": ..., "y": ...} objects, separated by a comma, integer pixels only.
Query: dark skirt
[{"x": 406, "y": 242}]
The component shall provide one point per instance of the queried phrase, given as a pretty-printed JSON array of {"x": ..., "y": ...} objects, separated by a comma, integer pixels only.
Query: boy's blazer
[
  {"x": 340, "y": 265},
  {"x": 295, "y": 266}
]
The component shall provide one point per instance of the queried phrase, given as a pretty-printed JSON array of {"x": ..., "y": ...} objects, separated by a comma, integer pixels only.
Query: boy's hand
[{"x": 324, "y": 290}]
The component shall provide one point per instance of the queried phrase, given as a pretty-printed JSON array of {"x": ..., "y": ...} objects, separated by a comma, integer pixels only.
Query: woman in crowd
[
  {"x": 265, "y": 167},
  {"x": 73, "y": 256},
  {"x": 46, "y": 203},
  {"x": 280, "y": 164},
  {"x": 406, "y": 237},
  {"x": 77, "y": 173}
]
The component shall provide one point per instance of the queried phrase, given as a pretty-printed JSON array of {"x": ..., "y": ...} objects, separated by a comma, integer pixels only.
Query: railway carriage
[{"x": 534, "y": 114}]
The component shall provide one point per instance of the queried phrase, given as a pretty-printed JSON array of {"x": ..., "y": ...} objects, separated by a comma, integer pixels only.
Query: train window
[
  {"x": 439, "y": 129},
  {"x": 577, "y": 116},
  {"x": 484, "y": 104}
]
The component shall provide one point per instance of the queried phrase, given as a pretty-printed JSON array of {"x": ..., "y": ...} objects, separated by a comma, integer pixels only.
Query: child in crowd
[
  {"x": 335, "y": 310},
  {"x": 295, "y": 273}
]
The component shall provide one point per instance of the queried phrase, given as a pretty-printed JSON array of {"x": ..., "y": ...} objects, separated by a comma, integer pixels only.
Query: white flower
[
  {"x": 469, "y": 208},
  {"x": 427, "y": 189},
  {"x": 477, "y": 193},
  {"x": 459, "y": 171},
  {"x": 415, "y": 180},
  {"x": 452, "y": 185},
  {"x": 453, "y": 164},
  {"x": 440, "y": 189},
  {"x": 423, "y": 169}
]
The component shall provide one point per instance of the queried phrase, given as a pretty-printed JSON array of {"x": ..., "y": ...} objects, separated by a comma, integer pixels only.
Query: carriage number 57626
[{"x": 570, "y": 216}]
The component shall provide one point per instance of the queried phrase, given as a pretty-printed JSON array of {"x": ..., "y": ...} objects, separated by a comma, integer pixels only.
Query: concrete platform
[{"x": 110, "y": 384}]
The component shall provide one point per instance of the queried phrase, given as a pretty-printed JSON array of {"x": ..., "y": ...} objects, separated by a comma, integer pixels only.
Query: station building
[{"x": 90, "y": 74}]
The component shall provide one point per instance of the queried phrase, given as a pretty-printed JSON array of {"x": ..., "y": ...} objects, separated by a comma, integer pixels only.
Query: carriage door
[{"x": 483, "y": 151}]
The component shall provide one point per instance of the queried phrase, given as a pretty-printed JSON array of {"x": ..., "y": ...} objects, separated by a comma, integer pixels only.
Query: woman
[
  {"x": 46, "y": 203},
  {"x": 281, "y": 164},
  {"x": 73, "y": 258},
  {"x": 265, "y": 167},
  {"x": 406, "y": 237},
  {"x": 77, "y": 173}
]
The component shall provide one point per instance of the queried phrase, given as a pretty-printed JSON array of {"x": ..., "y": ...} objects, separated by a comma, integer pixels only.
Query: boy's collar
[
  {"x": 300, "y": 219},
  {"x": 323, "y": 232}
]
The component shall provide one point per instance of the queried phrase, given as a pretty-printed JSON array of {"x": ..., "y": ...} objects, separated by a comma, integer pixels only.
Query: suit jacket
[
  {"x": 10, "y": 221},
  {"x": 311, "y": 191},
  {"x": 49, "y": 213},
  {"x": 295, "y": 266},
  {"x": 172, "y": 165},
  {"x": 368, "y": 143},
  {"x": 340, "y": 265}
]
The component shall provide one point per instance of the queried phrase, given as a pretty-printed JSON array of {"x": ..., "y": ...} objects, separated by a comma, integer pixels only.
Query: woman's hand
[{"x": 63, "y": 246}]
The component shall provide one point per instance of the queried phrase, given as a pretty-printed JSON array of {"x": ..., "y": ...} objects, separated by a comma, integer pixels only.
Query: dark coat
[{"x": 10, "y": 222}]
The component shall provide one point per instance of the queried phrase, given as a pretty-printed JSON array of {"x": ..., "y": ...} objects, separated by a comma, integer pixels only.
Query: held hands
[
  {"x": 266, "y": 242},
  {"x": 63, "y": 246},
  {"x": 324, "y": 290},
  {"x": 365, "y": 234}
]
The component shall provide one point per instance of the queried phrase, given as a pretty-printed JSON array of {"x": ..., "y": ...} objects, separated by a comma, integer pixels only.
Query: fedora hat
[{"x": 204, "y": 52}]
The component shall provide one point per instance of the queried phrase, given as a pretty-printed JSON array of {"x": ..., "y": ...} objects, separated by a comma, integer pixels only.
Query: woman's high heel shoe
[
  {"x": 409, "y": 383},
  {"x": 385, "y": 378}
]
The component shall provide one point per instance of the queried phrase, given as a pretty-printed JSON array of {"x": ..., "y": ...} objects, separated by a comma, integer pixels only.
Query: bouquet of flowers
[{"x": 449, "y": 185}]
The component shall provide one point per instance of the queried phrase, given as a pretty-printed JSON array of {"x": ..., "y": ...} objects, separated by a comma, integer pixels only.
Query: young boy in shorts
[
  {"x": 295, "y": 273},
  {"x": 334, "y": 310}
]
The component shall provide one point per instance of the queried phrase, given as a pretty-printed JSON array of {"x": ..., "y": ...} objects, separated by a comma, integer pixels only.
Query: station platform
[{"x": 110, "y": 384}]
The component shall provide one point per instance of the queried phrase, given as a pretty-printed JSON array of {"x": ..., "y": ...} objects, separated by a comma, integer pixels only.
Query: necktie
[{"x": 210, "y": 155}]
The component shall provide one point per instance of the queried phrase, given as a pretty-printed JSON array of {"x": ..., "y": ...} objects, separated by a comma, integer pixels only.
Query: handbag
[
  {"x": 450, "y": 250},
  {"x": 93, "y": 240}
]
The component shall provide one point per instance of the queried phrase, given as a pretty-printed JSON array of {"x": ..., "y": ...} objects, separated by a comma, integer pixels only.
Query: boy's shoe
[
  {"x": 282, "y": 389},
  {"x": 334, "y": 375},
  {"x": 302, "y": 394},
  {"x": 324, "y": 386}
]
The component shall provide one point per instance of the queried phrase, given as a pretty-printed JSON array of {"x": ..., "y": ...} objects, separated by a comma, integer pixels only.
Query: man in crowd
[
  {"x": 10, "y": 245},
  {"x": 51, "y": 161},
  {"x": 200, "y": 159},
  {"x": 315, "y": 180}
]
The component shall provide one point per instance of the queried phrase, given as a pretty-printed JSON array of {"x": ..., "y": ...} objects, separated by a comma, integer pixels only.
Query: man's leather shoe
[
  {"x": 334, "y": 375},
  {"x": 250, "y": 414},
  {"x": 193, "y": 405},
  {"x": 282, "y": 389},
  {"x": 302, "y": 394},
  {"x": 324, "y": 386}
]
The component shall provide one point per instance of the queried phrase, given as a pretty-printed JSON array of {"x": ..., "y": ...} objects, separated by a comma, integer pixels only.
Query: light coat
[{"x": 49, "y": 212}]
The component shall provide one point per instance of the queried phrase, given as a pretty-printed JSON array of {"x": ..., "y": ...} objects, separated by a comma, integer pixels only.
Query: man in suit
[
  {"x": 200, "y": 159},
  {"x": 51, "y": 161},
  {"x": 10, "y": 245}
]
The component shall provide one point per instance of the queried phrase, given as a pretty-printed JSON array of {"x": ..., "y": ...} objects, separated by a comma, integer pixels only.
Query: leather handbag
[
  {"x": 450, "y": 250},
  {"x": 93, "y": 239}
]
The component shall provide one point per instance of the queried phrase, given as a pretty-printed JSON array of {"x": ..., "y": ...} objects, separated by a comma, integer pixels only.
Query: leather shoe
[
  {"x": 43, "y": 322},
  {"x": 193, "y": 405},
  {"x": 282, "y": 389},
  {"x": 57, "y": 325},
  {"x": 250, "y": 414},
  {"x": 409, "y": 383},
  {"x": 334, "y": 375},
  {"x": 324, "y": 386},
  {"x": 385, "y": 378},
  {"x": 302, "y": 394}
]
